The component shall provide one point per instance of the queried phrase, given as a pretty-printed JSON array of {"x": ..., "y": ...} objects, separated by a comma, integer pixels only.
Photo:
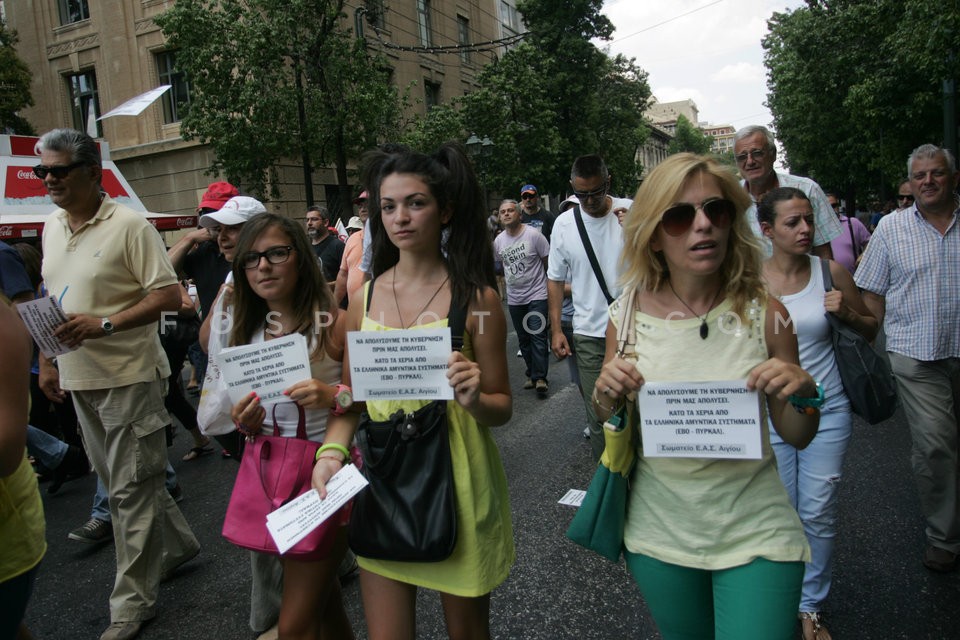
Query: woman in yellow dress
[{"x": 431, "y": 252}]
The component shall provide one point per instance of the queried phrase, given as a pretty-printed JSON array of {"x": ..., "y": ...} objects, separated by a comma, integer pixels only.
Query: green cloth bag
[{"x": 599, "y": 522}]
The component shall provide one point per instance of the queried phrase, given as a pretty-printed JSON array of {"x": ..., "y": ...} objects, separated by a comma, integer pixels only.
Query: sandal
[
  {"x": 196, "y": 452},
  {"x": 812, "y": 626}
]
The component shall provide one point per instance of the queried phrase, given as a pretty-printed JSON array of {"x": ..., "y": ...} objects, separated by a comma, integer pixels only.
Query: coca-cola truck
[{"x": 26, "y": 204}]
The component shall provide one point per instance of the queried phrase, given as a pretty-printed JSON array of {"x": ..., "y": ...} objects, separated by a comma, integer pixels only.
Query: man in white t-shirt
[
  {"x": 590, "y": 181},
  {"x": 755, "y": 152},
  {"x": 521, "y": 252}
]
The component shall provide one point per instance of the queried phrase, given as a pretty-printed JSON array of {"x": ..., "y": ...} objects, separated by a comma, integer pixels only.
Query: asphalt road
[{"x": 556, "y": 590}]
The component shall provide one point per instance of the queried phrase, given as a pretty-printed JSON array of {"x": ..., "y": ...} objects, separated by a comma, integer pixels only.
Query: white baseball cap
[{"x": 236, "y": 210}]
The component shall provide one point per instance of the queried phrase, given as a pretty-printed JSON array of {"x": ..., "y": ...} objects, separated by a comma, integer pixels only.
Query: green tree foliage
[
  {"x": 557, "y": 96},
  {"x": 279, "y": 79},
  {"x": 14, "y": 85},
  {"x": 855, "y": 86},
  {"x": 441, "y": 123},
  {"x": 689, "y": 138}
]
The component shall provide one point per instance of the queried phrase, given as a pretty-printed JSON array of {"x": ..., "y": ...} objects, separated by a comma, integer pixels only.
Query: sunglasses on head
[
  {"x": 59, "y": 172},
  {"x": 678, "y": 219}
]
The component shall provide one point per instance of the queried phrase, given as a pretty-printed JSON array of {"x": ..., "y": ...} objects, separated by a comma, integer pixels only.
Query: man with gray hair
[
  {"x": 107, "y": 266},
  {"x": 909, "y": 274},
  {"x": 755, "y": 151}
]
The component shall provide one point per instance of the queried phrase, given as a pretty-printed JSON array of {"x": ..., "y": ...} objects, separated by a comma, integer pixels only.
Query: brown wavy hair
[{"x": 313, "y": 297}]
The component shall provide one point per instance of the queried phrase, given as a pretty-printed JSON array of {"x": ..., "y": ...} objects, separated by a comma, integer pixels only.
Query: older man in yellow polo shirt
[{"x": 109, "y": 269}]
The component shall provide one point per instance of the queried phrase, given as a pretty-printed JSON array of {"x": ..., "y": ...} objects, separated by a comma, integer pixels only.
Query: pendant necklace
[
  {"x": 393, "y": 285},
  {"x": 704, "y": 329}
]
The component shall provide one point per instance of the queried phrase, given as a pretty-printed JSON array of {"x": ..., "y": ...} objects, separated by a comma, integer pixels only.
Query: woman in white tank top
[{"x": 812, "y": 475}]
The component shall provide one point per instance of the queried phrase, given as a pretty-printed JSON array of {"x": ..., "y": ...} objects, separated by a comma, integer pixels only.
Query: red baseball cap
[{"x": 217, "y": 194}]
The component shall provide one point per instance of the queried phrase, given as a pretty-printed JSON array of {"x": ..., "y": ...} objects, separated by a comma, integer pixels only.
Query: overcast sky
[{"x": 706, "y": 50}]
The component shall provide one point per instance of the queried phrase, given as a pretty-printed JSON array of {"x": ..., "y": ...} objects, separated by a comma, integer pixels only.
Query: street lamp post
[{"x": 479, "y": 150}]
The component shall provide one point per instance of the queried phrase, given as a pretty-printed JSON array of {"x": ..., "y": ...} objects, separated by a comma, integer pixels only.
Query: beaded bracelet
[{"x": 333, "y": 446}]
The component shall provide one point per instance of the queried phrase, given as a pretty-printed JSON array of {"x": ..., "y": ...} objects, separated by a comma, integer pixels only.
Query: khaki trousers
[
  {"x": 123, "y": 431},
  {"x": 930, "y": 395}
]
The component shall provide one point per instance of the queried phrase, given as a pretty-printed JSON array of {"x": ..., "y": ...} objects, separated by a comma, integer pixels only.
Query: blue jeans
[
  {"x": 530, "y": 322},
  {"x": 812, "y": 478},
  {"x": 101, "y": 504},
  {"x": 45, "y": 448}
]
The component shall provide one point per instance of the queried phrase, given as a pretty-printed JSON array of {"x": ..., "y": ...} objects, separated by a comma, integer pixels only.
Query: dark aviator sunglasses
[
  {"x": 678, "y": 219},
  {"x": 59, "y": 172}
]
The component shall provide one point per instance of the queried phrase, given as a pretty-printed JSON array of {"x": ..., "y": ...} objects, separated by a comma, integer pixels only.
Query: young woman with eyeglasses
[
  {"x": 813, "y": 475},
  {"x": 713, "y": 543},
  {"x": 279, "y": 290}
]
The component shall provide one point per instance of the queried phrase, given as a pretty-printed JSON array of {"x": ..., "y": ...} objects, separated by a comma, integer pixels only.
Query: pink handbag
[{"x": 273, "y": 471}]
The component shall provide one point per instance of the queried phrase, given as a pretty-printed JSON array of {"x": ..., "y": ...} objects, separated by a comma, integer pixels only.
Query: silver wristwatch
[{"x": 107, "y": 326}]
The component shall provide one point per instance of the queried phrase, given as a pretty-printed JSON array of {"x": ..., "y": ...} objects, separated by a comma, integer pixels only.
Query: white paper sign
[
  {"x": 135, "y": 106},
  {"x": 718, "y": 419},
  {"x": 292, "y": 522},
  {"x": 42, "y": 316},
  {"x": 400, "y": 365},
  {"x": 267, "y": 368},
  {"x": 573, "y": 498}
]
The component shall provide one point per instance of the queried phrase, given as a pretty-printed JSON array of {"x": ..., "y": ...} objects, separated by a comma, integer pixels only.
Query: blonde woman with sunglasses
[{"x": 713, "y": 543}]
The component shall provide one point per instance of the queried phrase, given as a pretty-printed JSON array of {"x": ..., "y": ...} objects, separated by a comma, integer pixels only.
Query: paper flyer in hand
[
  {"x": 42, "y": 316},
  {"x": 293, "y": 521},
  {"x": 267, "y": 368}
]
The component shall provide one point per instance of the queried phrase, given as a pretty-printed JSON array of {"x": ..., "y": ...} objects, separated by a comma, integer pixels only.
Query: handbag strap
[
  {"x": 627, "y": 332},
  {"x": 283, "y": 495},
  {"x": 827, "y": 278},
  {"x": 591, "y": 256},
  {"x": 853, "y": 239},
  {"x": 301, "y": 422},
  {"x": 456, "y": 319}
]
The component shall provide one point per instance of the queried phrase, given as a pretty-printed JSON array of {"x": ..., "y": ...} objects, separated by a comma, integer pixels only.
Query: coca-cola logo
[
  {"x": 26, "y": 175},
  {"x": 186, "y": 222},
  {"x": 6, "y": 231}
]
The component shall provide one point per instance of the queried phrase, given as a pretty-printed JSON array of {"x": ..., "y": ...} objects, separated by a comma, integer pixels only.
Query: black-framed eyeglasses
[
  {"x": 905, "y": 196},
  {"x": 678, "y": 219},
  {"x": 274, "y": 255},
  {"x": 753, "y": 154},
  {"x": 528, "y": 196},
  {"x": 58, "y": 172},
  {"x": 599, "y": 192}
]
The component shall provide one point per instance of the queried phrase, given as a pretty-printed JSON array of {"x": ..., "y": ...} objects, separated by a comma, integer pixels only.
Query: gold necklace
[{"x": 393, "y": 285}]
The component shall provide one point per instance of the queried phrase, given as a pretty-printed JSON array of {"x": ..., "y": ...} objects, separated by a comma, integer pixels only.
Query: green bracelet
[
  {"x": 808, "y": 406},
  {"x": 335, "y": 447}
]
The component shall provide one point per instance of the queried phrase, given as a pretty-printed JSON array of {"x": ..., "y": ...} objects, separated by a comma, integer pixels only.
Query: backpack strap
[{"x": 591, "y": 256}]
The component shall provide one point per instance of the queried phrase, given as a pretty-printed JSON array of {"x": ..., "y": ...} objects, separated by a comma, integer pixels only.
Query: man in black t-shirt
[
  {"x": 327, "y": 246},
  {"x": 533, "y": 214},
  {"x": 197, "y": 255}
]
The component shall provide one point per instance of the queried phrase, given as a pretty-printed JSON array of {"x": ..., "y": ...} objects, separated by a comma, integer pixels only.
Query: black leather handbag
[
  {"x": 408, "y": 512},
  {"x": 866, "y": 375}
]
